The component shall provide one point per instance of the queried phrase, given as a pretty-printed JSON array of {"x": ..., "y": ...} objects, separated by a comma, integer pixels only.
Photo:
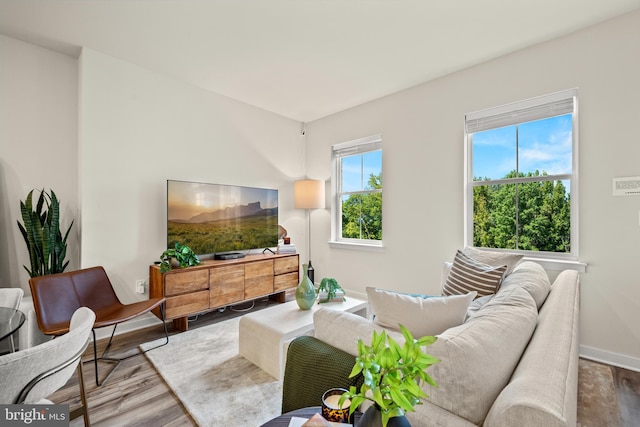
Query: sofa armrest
[
  {"x": 312, "y": 368},
  {"x": 532, "y": 399}
]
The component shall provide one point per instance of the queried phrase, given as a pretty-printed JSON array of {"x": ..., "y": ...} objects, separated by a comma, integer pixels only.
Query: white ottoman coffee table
[{"x": 265, "y": 335}]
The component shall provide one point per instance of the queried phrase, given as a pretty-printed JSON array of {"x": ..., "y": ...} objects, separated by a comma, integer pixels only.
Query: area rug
[
  {"x": 597, "y": 401},
  {"x": 216, "y": 385}
]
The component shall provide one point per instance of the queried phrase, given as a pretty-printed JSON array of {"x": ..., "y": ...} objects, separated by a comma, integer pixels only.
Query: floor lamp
[{"x": 308, "y": 194}]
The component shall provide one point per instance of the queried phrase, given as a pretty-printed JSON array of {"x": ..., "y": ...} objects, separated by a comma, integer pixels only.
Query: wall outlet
[{"x": 140, "y": 286}]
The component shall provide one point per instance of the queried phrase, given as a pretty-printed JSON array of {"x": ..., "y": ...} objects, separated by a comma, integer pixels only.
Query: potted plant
[
  {"x": 392, "y": 377},
  {"x": 329, "y": 290},
  {"x": 183, "y": 256},
  {"x": 41, "y": 231}
]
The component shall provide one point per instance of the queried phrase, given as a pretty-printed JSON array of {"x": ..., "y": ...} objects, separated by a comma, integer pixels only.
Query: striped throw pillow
[{"x": 468, "y": 275}]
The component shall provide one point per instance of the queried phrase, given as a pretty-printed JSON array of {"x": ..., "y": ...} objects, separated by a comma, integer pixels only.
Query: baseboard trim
[{"x": 609, "y": 358}]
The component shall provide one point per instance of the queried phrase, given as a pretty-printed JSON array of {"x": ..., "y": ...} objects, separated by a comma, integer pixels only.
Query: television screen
[{"x": 216, "y": 218}]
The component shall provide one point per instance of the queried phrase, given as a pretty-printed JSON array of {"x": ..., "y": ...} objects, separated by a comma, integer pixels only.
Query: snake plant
[{"x": 41, "y": 232}]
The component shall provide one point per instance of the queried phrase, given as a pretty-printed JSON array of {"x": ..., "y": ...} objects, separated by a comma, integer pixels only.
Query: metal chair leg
[{"x": 117, "y": 361}]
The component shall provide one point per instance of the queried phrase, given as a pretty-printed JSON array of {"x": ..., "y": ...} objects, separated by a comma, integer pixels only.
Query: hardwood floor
[
  {"x": 136, "y": 395},
  {"x": 627, "y": 384}
]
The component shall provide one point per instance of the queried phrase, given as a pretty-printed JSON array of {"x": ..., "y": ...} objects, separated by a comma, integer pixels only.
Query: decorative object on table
[
  {"x": 182, "y": 254},
  {"x": 316, "y": 421},
  {"x": 332, "y": 410},
  {"x": 308, "y": 194},
  {"x": 305, "y": 292},
  {"x": 392, "y": 376},
  {"x": 311, "y": 272},
  {"x": 282, "y": 233},
  {"x": 286, "y": 248},
  {"x": 372, "y": 417},
  {"x": 330, "y": 291},
  {"x": 41, "y": 231}
]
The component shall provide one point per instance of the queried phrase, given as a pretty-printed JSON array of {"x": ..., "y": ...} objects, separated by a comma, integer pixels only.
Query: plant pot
[{"x": 373, "y": 418}]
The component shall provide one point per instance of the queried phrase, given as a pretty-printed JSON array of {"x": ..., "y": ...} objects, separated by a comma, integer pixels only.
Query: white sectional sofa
[{"x": 512, "y": 362}]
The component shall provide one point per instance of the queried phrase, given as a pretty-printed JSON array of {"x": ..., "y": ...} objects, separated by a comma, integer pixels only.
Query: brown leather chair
[{"x": 57, "y": 296}]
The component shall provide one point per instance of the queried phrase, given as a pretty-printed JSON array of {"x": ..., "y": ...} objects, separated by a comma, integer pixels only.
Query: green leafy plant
[
  {"x": 41, "y": 232},
  {"x": 182, "y": 254},
  {"x": 392, "y": 374},
  {"x": 330, "y": 286}
]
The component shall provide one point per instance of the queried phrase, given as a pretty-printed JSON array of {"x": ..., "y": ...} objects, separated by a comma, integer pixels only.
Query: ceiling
[{"x": 303, "y": 59}]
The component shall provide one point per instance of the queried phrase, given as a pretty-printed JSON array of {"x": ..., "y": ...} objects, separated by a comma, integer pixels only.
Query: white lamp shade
[{"x": 308, "y": 194}]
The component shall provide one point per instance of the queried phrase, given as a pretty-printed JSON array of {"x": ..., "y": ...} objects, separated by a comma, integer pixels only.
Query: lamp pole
[{"x": 308, "y": 194}]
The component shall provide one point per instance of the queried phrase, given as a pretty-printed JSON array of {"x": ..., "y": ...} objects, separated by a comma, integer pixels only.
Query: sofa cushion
[
  {"x": 478, "y": 357},
  {"x": 477, "y": 304},
  {"x": 422, "y": 316},
  {"x": 532, "y": 277},
  {"x": 342, "y": 329},
  {"x": 469, "y": 275}
]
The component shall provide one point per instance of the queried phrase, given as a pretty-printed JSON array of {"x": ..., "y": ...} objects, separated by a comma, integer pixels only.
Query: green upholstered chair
[{"x": 313, "y": 367}]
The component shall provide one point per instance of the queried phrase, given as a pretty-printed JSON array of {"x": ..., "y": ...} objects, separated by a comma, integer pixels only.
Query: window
[
  {"x": 522, "y": 177},
  {"x": 357, "y": 178}
]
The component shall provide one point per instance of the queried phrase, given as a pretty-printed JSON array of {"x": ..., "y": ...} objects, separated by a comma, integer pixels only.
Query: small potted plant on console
[
  {"x": 182, "y": 254},
  {"x": 330, "y": 291}
]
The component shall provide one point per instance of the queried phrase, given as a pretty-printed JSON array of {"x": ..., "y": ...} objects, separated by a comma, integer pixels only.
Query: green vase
[{"x": 305, "y": 292}]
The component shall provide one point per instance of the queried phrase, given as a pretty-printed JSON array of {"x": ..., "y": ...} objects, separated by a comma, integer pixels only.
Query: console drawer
[
  {"x": 186, "y": 281},
  {"x": 285, "y": 265},
  {"x": 187, "y": 304},
  {"x": 285, "y": 281}
]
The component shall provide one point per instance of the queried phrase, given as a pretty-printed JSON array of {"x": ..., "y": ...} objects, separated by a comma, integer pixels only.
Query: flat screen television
[{"x": 225, "y": 221}]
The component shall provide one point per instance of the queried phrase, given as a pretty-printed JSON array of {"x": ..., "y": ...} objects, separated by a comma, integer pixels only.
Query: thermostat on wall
[{"x": 627, "y": 186}]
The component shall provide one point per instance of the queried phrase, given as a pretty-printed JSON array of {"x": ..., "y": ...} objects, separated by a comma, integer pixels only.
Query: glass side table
[{"x": 10, "y": 321}]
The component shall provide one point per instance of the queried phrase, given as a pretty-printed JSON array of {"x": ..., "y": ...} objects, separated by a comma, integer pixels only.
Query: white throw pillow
[{"x": 422, "y": 316}]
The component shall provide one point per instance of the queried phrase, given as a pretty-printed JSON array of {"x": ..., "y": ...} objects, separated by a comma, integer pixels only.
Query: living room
[{"x": 106, "y": 133}]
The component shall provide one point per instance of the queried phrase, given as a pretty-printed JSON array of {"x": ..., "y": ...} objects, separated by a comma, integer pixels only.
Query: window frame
[
  {"x": 339, "y": 151},
  {"x": 513, "y": 114}
]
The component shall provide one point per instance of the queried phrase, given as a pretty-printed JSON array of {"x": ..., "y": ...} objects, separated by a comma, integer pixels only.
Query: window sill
[
  {"x": 356, "y": 246},
  {"x": 559, "y": 264}
]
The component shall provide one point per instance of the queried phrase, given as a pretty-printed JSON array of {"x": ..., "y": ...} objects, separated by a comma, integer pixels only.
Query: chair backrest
[
  {"x": 57, "y": 296},
  {"x": 11, "y": 297},
  {"x": 31, "y": 375}
]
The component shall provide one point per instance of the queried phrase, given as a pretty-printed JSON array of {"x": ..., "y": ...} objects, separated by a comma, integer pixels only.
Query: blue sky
[
  {"x": 356, "y": 169},
  {"x": 543, "y": 145}
]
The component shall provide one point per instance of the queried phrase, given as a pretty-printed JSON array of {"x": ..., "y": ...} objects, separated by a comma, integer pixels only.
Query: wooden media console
[{"x": 218, "y": 283}]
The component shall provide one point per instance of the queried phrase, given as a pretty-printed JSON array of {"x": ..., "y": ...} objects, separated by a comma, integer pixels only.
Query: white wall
[
  {"x": 423, "y": 157},
  {"x": 106, "y": 135},
  {"x": 138, "y": 129},
  {"x": 134, "y": 125},
  {"x": 38, "y": 146}
]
